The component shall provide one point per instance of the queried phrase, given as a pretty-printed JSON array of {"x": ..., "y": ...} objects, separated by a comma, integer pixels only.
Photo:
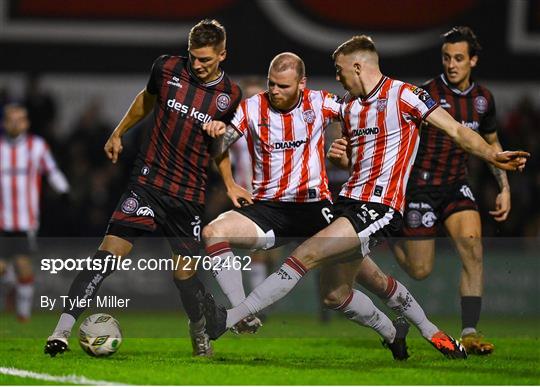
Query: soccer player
[
  {"x": 438, "y": 193},
  {"x": 381, "y": 119},
  {"x": 284, "y": 128},
  {"x": 169, "y": 176},
  {"x": 24, "y": 159}
]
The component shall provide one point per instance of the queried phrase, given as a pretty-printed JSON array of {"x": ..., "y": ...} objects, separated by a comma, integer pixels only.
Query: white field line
[{"x": 71, "y": 379}]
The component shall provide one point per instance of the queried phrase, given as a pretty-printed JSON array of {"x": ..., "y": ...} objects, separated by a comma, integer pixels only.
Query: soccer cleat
[
  {"x": 475, "y": 344},
  {"x": 200, "y": 342},
  {"x": 399, "y": 345},
  {"x": 250, "y": 324},
  {"x": 57, "y": 343},
  {"x": 216, "y": 317},
  {"x": 448, "y": 346}
]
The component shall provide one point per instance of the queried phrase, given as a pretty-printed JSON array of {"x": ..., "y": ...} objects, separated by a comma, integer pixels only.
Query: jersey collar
[
  {"x": 208, "y": 84},
  {"x": 375, "y": 90},
  {"x": 455, "y": 89},
  {"x": 15, "y": 140}
]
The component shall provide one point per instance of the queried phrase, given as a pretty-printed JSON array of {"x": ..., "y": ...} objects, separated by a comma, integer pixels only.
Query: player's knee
[
  {"x": 419, "y": 271},
  {"x": 336, "y": 297},
  {"x": 470, "y": 245},
  {"x": 212, "y": 232}
]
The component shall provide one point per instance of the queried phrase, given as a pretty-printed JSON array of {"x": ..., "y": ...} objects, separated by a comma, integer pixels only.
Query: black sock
[
  {"x": 470, "y": 311},
  {"x": 87, "y": 283},
  {"x": 192, "y": 295}
]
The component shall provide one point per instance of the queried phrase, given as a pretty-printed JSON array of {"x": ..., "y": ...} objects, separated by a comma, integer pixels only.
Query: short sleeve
[
  {"x": 152, "y": 86},
  {"x": 239, "y": 120},
  {"x": 417, "y": 102},
  {"x": 488, "y": 122},
  {"x": 331, "y": 106},
  {"x": 231, "y": 111}
]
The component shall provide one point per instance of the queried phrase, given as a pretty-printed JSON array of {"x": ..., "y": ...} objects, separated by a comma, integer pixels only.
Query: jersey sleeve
[
  {"x": 152, "y": 86},
  {"x": 416, "y": 102},
  {"x": 239, "y": 120},
  {"x": 488, "y": 122},
  {"x": 331, "y": 107}
]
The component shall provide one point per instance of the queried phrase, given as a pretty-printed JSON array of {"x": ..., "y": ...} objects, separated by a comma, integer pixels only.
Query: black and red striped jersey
[
  {"x": 174, "y": 155},
  {"x": 439, "y": 160}
]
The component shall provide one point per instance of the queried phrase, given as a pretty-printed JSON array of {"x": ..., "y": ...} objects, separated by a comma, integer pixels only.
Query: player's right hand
[
  {"x": 511, "y": 160},
  {"x": 214, "y": 128},
  {"x": 113, "y": 147},
  {"x": 239, "y": 196},
  {"x": 338, "y": 149}
]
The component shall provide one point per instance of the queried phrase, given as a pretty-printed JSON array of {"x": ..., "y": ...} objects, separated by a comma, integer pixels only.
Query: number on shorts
[{"x": 327, "y": 213}]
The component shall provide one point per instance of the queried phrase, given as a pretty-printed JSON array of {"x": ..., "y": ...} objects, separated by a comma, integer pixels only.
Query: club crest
[
  {"x": 381, "y": 104},
  {"x": 130, "y": 205},
  {"x": 309, "y": 116},
  {"x": 480, "y": 104},
  {"x": 223, "y": 101}
]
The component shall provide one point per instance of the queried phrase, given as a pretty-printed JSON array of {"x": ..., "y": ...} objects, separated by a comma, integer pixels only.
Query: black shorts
[
  {"x": 371, "y": 221},
  {"x": 142, "y": 209},
  {"x": 426, "y": 208},
  {"x": 17, "y": 243},
  {"x": 283, "y": 222}
]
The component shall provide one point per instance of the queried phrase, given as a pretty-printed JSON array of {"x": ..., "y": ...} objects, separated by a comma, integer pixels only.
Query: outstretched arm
[
  {"x": 473, "y": 143},
  {"x": 140, "y": 107},
  {"x": 238, "y": 195}
]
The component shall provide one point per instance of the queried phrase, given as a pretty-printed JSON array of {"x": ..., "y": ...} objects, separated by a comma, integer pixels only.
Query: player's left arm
[
  {"x": 503, "y": 202},
  {"x": 224, "y": 136},
  {"x": 238, "y": 195},
  {"x": 473, "y": 143}
]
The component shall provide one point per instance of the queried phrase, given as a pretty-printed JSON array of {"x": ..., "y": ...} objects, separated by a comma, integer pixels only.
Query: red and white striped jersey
[
  {"x": 287, "y": 148},
  {"x": 382, "y": 129},
  {"x": 241, "y": 162},
  {"x": 23, "y": 160}
]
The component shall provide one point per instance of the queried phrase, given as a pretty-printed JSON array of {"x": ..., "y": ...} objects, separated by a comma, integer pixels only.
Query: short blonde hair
[{"x": 288, "y": 60}]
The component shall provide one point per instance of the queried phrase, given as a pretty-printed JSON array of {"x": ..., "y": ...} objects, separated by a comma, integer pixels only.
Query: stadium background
[{"x": 78, "y": 64}]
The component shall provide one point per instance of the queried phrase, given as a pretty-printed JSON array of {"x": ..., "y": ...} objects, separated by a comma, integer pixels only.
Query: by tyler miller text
[{"x": 65, "y": 302}]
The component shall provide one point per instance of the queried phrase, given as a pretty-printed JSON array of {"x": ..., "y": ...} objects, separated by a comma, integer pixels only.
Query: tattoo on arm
[
  {"x": 500, "y": 176},
  {"x": 223, "y": 142}
]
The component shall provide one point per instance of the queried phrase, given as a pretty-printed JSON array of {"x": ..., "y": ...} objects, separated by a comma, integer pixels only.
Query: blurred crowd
[{"x": 96, "y": 184}]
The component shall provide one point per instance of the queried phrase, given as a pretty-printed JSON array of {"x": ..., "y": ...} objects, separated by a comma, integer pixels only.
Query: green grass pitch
[{"x": 288, "y": 350}]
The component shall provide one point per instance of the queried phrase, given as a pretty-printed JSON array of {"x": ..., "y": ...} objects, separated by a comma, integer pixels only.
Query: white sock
[
  {"x": 468, "y": 331},
  {"x": 402, "y": 302},
  {"x": 360, "y": 309},
  {"x": 258, "y": 274},
  {"x": 65, "y": 324},
  {"x": 24, "y": 295},
  {"x": 275, "y": 287},
  {"x": 228, "y": 278}
]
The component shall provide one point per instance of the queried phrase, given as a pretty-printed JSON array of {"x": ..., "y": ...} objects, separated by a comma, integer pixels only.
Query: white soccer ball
[{"x": 100, "y": 335}]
